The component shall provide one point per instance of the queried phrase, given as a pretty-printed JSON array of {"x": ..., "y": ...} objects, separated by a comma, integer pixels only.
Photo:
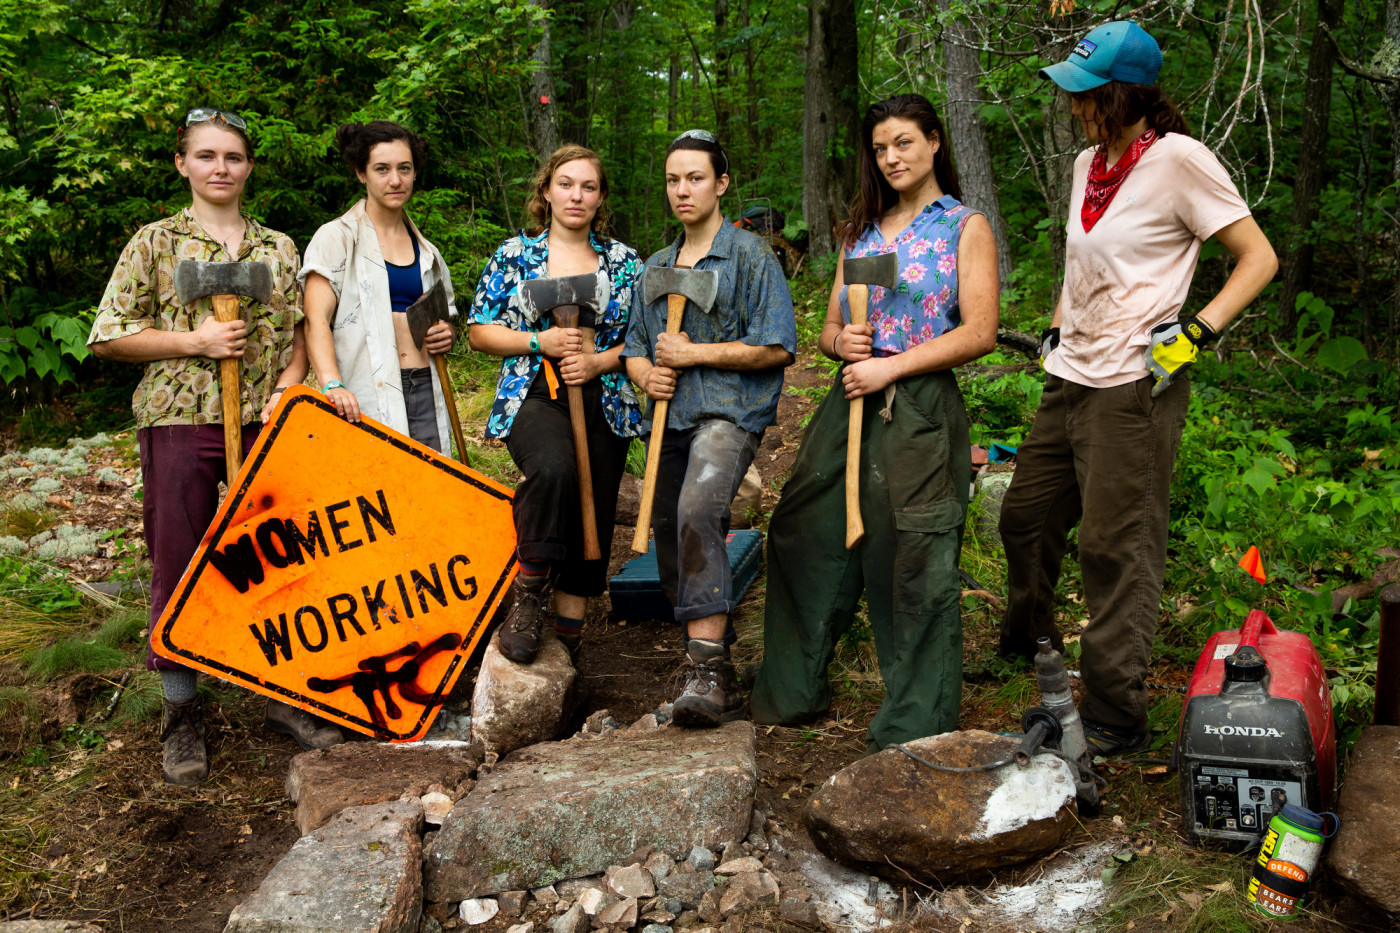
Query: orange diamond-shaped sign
[{"x": 350, "y": 571}]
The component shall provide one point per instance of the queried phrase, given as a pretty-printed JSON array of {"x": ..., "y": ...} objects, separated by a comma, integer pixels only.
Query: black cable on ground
[{"x": 950, "y": 769}]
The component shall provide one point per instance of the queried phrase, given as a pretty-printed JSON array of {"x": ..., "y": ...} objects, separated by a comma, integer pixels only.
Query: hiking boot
[
  {"x": 711, "y": 695},
  {"x": 520, "y": 633},
  {"x": 1108, "y": 741},
  {"x": 183, "y": 758},
  {"x": 306, "y": 730}
]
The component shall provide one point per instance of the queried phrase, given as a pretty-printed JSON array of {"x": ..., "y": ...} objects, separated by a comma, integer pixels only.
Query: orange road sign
[{"x": 350, "y": 571}]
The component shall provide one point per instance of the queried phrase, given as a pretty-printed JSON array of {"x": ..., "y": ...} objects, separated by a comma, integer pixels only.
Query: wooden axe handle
[
  {"x": 567, "y": 316},
  {"x": 451, "y": 402},
  {"x": 675, "y": 310},
  {"x": 858, "y": 297},
  {"x": 231, "y": 390}
]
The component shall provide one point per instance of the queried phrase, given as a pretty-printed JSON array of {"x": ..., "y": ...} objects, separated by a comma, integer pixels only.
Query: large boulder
[
  {"x": 1362, "y": 857},
  {"x": 889, "y": 813},
  {"x": 515, "y": 705},
  {"x": 570, "y": 809},
  {"x": 360, "y": 873},
  {"x": 326, "y": 781}
]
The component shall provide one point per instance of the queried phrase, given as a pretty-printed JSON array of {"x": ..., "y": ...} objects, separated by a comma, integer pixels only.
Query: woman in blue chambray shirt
[{"x": 531, "y": 411}]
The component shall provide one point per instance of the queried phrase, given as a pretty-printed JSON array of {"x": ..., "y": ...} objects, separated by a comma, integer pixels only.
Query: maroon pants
[{"x": 181, "y": 468}]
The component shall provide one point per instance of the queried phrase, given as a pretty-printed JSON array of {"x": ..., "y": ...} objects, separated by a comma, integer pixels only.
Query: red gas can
[{"x": 1256, "y": 732}]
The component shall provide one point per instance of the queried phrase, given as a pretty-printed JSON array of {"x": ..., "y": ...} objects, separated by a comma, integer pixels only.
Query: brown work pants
[{"x": 1102, "y": 459}]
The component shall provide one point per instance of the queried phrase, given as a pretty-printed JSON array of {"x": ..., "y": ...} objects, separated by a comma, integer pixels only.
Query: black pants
[
  {"x": 420, "y": 405},
  {"x": 548, "y": 518}
]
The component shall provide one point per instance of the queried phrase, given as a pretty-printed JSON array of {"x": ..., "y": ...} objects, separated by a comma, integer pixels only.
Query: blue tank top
[{"x": 405, "y": 282}]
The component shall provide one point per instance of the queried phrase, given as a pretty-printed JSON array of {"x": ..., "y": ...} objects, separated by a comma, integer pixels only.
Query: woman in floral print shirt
[
  {"x": 914, "y": 458},
  {"x": 178, "y": 405},
  {"x": 531, "y": 411}
]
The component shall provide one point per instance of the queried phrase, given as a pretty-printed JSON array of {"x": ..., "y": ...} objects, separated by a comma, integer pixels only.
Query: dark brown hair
[
  {"x": 874, "y": 195},
  {"x": 182, "y": 137},
  {"x": 1118, "y": 105},
  {"x": 719, "y": 159},
  {"x": 538, "y": 208},
  {"x": 355, "y": 140}
]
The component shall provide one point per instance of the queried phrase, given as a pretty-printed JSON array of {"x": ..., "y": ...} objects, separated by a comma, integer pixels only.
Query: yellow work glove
[{"x": 1173, "y": 348}]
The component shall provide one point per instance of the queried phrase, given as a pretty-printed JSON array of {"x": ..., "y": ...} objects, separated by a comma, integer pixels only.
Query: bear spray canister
[
  {"x": 1287, "y": 859},
  {"x": 1256, "y": 733}
]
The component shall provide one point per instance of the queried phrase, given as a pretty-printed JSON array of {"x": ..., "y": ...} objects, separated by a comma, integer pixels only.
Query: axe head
[
  {"x": 872, "y": 270},
  {"x": 425, "y": 312},
  {"x": 197, "y": 278},
  {"x": 540, "y": 296},
  {"x": 699, "y": 285}
]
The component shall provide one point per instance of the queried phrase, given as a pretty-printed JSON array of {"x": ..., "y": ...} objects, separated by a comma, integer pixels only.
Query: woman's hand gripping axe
[
  {"x": 572, "y": 301},
  {"x": 223, "y": 283}
]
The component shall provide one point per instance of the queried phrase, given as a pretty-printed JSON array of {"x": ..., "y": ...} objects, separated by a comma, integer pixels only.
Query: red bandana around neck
[{"x": 1104, "y": 182}]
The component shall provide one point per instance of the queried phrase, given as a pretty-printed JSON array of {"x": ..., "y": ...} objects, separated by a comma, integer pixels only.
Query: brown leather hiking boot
[
  {"x": 183, "y": 758},
  {"x": 306, "y": 730},
  {"x": 519, "y": 639},
  {"x": 711, "y": 695}
]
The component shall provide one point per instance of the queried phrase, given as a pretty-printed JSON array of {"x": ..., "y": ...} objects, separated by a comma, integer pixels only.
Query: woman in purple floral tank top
[{"x": 915, "y": 462}]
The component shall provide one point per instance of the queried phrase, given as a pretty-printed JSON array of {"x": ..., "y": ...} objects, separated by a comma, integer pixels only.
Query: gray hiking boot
[
  {"x": 183, "y": 758},
  {"x": 520, "y": 633},
  {"x": 306, "y": 730},
  {"x": 711, "y": 695}
]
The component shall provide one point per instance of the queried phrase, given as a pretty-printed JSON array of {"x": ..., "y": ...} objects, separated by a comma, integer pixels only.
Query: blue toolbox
[{"x": 636, "y": 590}]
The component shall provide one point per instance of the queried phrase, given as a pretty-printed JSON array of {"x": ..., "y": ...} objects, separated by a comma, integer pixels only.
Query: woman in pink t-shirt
[{"x": 1101, "y": 451}]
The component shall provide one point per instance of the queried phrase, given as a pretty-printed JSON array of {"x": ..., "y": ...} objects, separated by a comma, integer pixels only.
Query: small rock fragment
[
  {"x": 546, "y": 896},
  {"x": 631, "y": 881},
  {"x": 646, "y": 722},
  {"x": 732, "y": 924},
  {"x": 701, "y": 859},
  {"x": 656, "y": 928},
  {"x": 687, "y": 918},
  {"x": 593, "y": 900},
  {"x": 429, "y": 925},
  {"x": 658, "y": 916},
  {"x": 709, "y": 908},
  {"x": 521, "y": 928},
  {"x": 436, "y": 806},
  {"x": 478, "y": 910},
  {"x": 749, "y": 890},
  {"x": 572, "y": 921},
  {"x": 739, "y": 866},
  {"x": 659, "y": 864},
  {"x": 622, "y": 914},
  {"x": 512, "y": 902},
  {"x": 600, "y": 722},
  {"x": 756, "y": 842},
  {"x": 688, "y": 888},
  {"x": 758, "y": 821},
  {"x": 639, "y": 856},
  {"x": 673, "y": 905},
  {"x": 800, "y": 912}
]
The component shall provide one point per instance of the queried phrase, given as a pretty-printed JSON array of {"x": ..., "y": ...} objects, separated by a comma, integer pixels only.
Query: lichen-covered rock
[
  {"x": 324, "y": 782},
  {"x": 1362, "y": 857},
  {"x": 570, "y": 809},
  {"x": 891, "y": 814},
  {"x": 360, "y": 873},
  {"x": 515, "y": 705},
  {"x": 48, "y": 926}
]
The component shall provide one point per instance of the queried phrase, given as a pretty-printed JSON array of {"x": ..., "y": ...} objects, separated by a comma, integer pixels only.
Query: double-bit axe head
[
  {"x": 198, "y": 278},
  {"x": 540, "y": 296},
  {"x": 880, "y": 270},
  {"x": 701, "y": 286},
  {"x": 425, "y": 312}
]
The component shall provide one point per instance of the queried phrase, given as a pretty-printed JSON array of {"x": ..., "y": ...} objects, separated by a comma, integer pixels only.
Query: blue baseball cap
[{"x": 1117, "y": 51}]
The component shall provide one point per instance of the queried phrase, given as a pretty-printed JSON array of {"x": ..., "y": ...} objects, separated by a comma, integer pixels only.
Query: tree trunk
[
  {"x": 1387, "y": 60},
  {"x": 1312, "y": 160},
  {"x": 751, "y": 87},
  {"x": 571, "y": 23},
  {"x": 543, "y": 135},
  {"x": 1062, "y": 146},
  {"x": 830, "y": 122},
  {"x": 963, "y": 71},
  {"x": 674, "y": 92},
  {"x": 722, "y": 76}
]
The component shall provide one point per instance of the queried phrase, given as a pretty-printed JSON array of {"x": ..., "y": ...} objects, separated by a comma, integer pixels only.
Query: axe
[
  {"x": 701, "y": 287},
  {"x": 423, "y": 314},
  {"x": 860, "y": 274},
  {"x": 224, "y": 283},
  {"x": 572, "y": 301}
]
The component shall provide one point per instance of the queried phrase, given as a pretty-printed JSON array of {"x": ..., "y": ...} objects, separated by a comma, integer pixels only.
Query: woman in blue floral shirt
[
  {"x": 531, "y": 411},
  {"x": 915, "y": 461}
]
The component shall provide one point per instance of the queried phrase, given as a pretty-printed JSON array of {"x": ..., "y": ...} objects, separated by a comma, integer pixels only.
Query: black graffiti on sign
[
  {"x": 281, "y": 542},
  {"x": 374, "y": 678}
]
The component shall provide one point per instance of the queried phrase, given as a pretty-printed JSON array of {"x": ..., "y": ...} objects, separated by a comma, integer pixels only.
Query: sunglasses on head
[
  {"x": 211, "y": 115},
  {"x": 705, "y": 136}
]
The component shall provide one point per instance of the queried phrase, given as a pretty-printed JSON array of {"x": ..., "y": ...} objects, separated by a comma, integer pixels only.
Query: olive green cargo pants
[{"x": 914, "y": 473}]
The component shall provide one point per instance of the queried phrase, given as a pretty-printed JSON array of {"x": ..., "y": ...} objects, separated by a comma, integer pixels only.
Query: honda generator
[{"x": 1256, "y": 733}]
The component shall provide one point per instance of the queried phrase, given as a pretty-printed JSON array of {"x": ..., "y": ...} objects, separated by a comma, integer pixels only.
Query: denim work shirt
[
  {"x": 925, "y": 304},
  {"x": 753, "y": 306},
  {"x": 525, "y": 257}
]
